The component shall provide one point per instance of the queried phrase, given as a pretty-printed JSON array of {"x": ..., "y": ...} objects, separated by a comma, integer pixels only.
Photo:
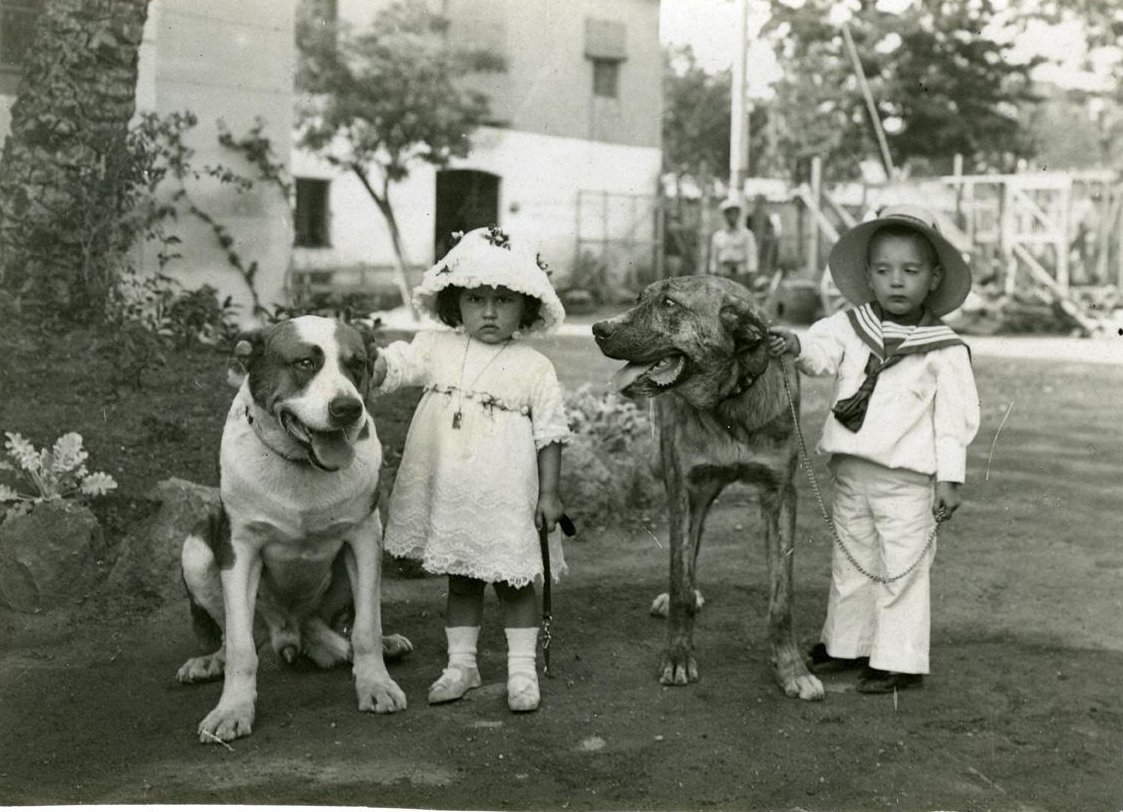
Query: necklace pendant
[{"x": 456, "y": 419}]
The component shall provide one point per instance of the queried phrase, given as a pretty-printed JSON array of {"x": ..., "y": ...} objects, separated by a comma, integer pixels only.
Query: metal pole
[
  {"x": 816, "y": 204},
  {"x": 875, "y": 119},
  {"x": 739, "y": 118}
]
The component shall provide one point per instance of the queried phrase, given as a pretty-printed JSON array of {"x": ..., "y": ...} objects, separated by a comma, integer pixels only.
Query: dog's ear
[
  {"x": 247, "y": 347},
  {"x": 742, "y": 323},
  {"x": 749, "y": 331}
]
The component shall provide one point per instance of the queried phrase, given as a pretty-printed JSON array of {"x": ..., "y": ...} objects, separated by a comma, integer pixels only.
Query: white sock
[
  {"x": 522, "y": 650},
  {"x": 462, "y": 645}
]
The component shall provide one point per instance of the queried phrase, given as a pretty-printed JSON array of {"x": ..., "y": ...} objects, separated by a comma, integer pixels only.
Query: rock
[
  {"x": 148, "y": 565},
  {"x": 48, "y": 557}
]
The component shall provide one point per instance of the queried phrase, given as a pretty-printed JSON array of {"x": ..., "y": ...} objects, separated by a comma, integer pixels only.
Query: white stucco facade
[
  {"x": 567, "y": 160},
  {"x": 231, "y": 62},
  {"x": 540, "y": 177}
]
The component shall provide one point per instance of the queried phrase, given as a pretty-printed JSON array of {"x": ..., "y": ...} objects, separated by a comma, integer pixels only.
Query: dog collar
[{"x": 261, "y": 436}]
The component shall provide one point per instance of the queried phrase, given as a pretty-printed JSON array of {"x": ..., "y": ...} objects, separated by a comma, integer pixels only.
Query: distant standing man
[{"x": 733, "y": 251}]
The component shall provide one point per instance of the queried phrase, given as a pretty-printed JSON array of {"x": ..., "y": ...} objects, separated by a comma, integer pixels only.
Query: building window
[
  {"x": 312, "y": 213},
  {"x": 606, "y": 78},
  {"x": 606, "y": 46},
  {"x": 17, "y": 23}
]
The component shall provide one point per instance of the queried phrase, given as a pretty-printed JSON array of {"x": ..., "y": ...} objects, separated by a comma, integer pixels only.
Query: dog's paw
[
  {"x": 678, "y": 668},
  {"x": 793, "y": 677},
  {"x": 807, "y": 687},
  {"x": 201, "y": 669},
  {"x": 662, "y": 603},
  {"x": 395, "y": 646},
  {"x": 380, "y": 695},
  {"x": 226, "y": 723},
  {"x": 324, "y": 647}
]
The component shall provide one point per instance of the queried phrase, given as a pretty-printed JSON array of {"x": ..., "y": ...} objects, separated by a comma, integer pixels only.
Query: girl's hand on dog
[
  {"x": 947, "y": 500},
  {"x": 378, "y": 371},
  {"x": 782, "y": 341}
]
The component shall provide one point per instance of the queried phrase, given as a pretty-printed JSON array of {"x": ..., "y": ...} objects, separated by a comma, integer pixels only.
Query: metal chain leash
[{"x": 805, "y": 462}]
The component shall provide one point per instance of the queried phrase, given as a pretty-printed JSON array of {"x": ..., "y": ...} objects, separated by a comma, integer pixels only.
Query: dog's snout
[
  {"x": 344, "y": 410},
  {"x": 603, "y": 329}
]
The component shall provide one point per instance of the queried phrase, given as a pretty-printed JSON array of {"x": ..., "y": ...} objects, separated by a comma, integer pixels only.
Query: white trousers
[{"x": 884, "y": 517}]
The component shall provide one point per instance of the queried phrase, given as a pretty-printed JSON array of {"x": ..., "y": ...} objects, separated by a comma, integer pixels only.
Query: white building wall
[
  {"x": 234, "y": 62},
  {"x": 540, "y": 178}
]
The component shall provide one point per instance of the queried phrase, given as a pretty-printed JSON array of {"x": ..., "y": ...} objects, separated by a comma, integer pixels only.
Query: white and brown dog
[{"x": 298, "y": 535}]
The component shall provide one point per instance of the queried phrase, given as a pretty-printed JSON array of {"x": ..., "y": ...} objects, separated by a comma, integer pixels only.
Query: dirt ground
[{"x": 1020, "y": 713}]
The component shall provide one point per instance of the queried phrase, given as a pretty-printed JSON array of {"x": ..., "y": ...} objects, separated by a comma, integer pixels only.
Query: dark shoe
[
  {"x": 819, "y": 662},
  {"x": 876, "y": 681}
]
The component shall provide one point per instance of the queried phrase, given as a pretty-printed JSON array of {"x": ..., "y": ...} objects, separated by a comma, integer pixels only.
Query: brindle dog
[{"x": 699, "y": 346}]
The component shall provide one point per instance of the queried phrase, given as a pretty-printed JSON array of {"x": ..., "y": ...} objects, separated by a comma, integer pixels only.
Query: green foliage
[
  {"x": 55, "y": 474},
  {"x": 257, "y": 149},
  {"x": 389, "y": 93},
  {"x": 68, "y": 172},
  {"x": 152, "y": 313},
  {"x": 696, "y": 116},
  {"x": 608, "y": 469},
  {"x": 940, "y": 84},
  {"x": 613, "y": 421},
  {"x": 376, "y": 101}
]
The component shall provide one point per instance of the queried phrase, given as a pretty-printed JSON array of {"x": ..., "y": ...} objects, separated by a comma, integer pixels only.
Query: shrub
[
  {"x": 58, "y": 474},
  {"x": 608, "y": 471}
]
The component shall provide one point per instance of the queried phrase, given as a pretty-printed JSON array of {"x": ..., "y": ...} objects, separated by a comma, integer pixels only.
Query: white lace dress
[{"x": 464, "y": 498}]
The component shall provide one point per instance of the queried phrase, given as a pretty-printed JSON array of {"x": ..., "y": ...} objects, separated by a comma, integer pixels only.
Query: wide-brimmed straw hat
[
  {"x": 850, "y": 257},
  {"x": 730, "y": 203},
  {"x": 487, "y": 257}
]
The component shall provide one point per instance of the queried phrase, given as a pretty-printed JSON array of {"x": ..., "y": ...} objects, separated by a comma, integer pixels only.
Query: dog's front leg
[
  {"x": 687, "y": 505},
  {"x": 376, "y": 690},
  {"x": 778, "y": 513},
  {"x": 233, "y": 716}
]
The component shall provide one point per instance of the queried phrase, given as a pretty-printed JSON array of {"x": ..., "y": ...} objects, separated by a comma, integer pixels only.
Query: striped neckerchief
[
  {"x": 887, "y": 338},
  {"x": 889, "y": 342}
]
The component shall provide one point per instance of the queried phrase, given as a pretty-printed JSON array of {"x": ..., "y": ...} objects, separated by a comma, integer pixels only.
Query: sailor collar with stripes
[{"x": 929, "y": 334}]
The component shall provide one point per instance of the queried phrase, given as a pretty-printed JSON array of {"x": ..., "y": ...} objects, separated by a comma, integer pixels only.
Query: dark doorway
[{"x": 466, "y": 199}]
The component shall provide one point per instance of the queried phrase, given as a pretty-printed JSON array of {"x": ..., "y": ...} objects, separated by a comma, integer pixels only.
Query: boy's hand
[
  {"x": 782, "y": 341},
  {"x": 548, "y": 511},
  {"x": 947, "y": 500}
]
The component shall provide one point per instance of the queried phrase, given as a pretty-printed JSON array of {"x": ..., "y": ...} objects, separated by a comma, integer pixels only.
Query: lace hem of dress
[
  {"x": 543, "y": 440},
  {"x": 448, "y": 565}
]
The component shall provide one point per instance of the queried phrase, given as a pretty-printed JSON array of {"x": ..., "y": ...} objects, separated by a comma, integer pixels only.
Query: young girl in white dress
[{"x": 479, "y": 473}]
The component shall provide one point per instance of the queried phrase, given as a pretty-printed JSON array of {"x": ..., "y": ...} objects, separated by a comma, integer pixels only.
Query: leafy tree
[
  {"x": 696, "y": 114},
  {"x": 379, "y": 99},
  {"x": 696, "y": 117},
  {"x": 940, "y": 84},
  {"x": 65, "y": 171}
]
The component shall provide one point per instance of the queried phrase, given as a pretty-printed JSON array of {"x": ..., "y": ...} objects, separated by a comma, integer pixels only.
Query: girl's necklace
[{"x": 459, "y": 413}]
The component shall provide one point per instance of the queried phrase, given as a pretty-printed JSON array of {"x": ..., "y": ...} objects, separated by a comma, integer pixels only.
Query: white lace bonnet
[{"x": 486, "y": 257}]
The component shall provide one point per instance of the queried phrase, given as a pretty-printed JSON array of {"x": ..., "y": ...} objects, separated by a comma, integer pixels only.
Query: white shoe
[
  {"x": 522, "y": 692},
  {"x": 454, "y": 682}
]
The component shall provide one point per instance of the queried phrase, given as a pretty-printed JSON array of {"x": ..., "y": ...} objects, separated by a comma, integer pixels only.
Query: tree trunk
[
  {"x": 58, "y": 201},
  {"x": 401, "y": 271}
]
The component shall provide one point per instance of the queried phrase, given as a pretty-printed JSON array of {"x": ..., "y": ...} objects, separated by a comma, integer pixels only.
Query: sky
[{"x": 710, "y": 27}]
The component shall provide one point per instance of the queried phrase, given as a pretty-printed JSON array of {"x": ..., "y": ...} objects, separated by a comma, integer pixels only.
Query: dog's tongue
[
  {"x": 332, "y": 449},
  {"x": 628, "y": 374},
  {"x": 663, "y": 372}
]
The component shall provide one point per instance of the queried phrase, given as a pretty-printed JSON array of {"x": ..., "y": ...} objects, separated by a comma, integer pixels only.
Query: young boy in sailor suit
[{"x": 904, "y": 409}]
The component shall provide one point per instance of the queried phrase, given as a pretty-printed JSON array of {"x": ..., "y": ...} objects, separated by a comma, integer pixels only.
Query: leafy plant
[
  {"x": 608, "y": 472},
  {"x": 56, "y": 474},
  {"x": 614, "y": 422}
]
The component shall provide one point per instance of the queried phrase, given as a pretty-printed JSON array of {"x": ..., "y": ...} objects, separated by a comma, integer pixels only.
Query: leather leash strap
[{"x": 568, "y": 528}]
